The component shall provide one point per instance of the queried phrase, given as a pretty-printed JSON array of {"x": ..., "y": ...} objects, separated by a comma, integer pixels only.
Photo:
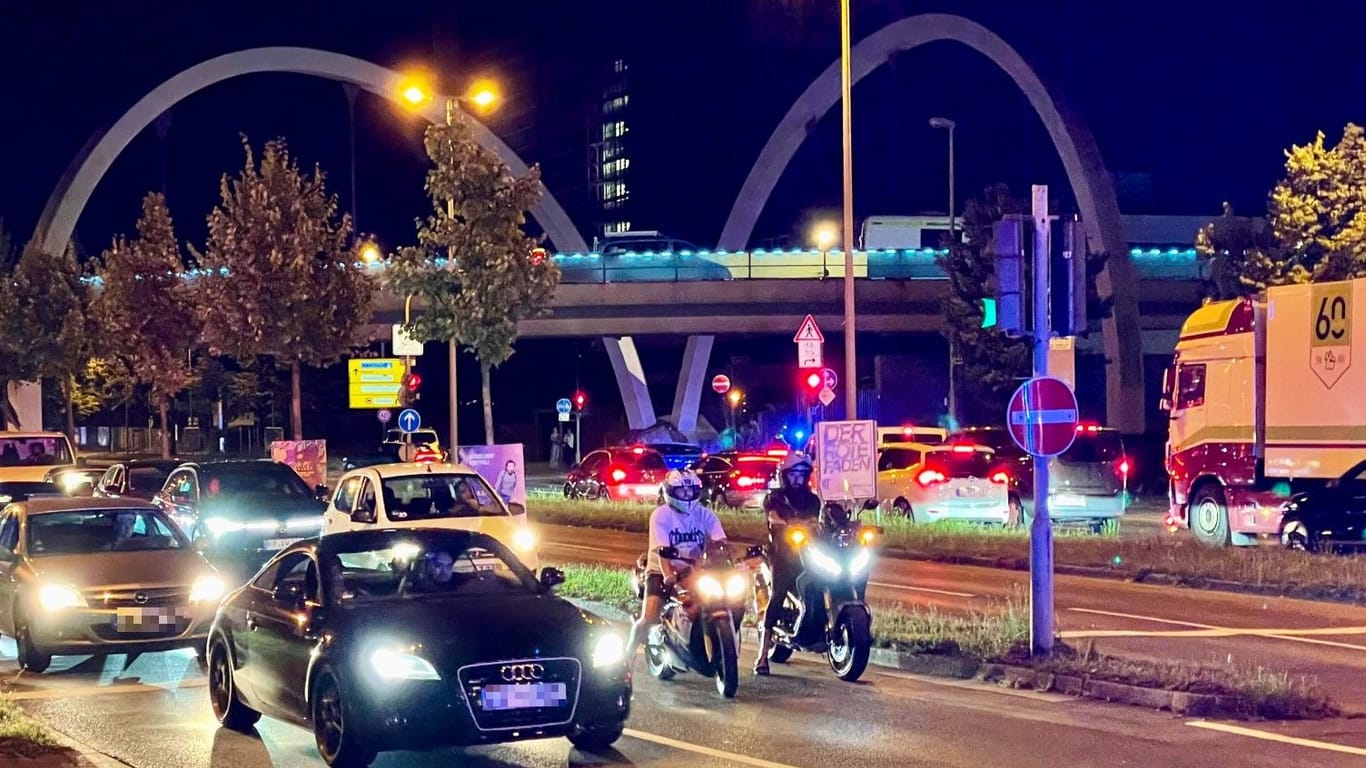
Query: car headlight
[
  {"x": 55, "y": 597},
  {"x": 206, "y": 589},
  {"x": 710, "y": 587},
  {"x": 824, "y": 562},
  {"x": 860, "y": 562},
  {"x": 397, "y": 665},
  {"x": 524, "y": 539},
  {"x": 221, "y": 525},
  {"x": 736, "y": 586},
  {"x": 608, "y": 650},
  {"x": 305, "y": 523}
]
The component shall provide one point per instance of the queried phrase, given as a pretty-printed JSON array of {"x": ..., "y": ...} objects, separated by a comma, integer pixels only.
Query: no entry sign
[
  {"x": 720, "y": 383},
  {"x": 1042, "y": 416}
]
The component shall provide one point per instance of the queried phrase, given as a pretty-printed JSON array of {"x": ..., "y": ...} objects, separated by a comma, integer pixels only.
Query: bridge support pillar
[
  {"x": 635, "y": 395},
  {"x": 692, "y": 381}
]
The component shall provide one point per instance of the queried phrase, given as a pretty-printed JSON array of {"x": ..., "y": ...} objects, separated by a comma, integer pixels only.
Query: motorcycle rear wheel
[
  {"x": 779, "y": 653},
  {"x": 725, "y": 660},
  {"x": 848, "y": 653}
]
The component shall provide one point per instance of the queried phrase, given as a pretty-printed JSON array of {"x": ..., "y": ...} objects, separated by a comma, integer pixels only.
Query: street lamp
[
  {"x": 482, "y": 96},
  {"x": 847, "y": 129},
  {"x": 370, "y": 253},
  {"x": 949, "y": 125},
  {"x": 825, "y": 234}
]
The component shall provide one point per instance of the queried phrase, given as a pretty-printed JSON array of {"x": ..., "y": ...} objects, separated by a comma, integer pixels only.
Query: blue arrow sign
[
  {"x": 563, "y": 405},
  {"x": 409, "y": 420}
]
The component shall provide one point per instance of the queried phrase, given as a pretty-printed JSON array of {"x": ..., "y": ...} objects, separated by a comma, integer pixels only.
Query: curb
[{"x": 69, "y": 754}]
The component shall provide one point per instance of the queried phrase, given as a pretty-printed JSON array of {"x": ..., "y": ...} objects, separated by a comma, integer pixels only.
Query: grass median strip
[
  {"x": 21, "y": 735},
  {"x": 999, "y": 635},
  {"x": 1182, "y": 559}
]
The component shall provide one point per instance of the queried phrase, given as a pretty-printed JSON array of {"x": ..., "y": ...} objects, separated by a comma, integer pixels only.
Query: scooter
[
  {"x": 827, "y": 614},
  {"x": 699, "y": 626}
]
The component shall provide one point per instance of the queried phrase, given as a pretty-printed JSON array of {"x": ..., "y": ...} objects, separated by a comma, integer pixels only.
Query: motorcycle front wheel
[
  {"x": 656, "y": 657},
  {"x": 725, "y": 660},
  {"x": 853, "y": 643}
]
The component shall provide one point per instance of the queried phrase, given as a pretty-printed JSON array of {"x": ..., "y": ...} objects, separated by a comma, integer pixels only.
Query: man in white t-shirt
[{"x": 684, "y": 524}]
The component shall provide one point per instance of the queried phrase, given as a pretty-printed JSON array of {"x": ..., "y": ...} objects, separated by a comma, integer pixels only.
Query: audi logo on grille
[
  {"x": 140, "y": 598},
  {"x": 522, "y": 673},
  {"x": 282, "y": 528}
]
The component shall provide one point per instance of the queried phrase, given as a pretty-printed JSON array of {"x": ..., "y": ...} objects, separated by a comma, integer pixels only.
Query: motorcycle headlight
[
  {"x": 524, "y": 539},
  {"x": 221, "y": 525},
  {"x": 55, "y": 597},
  {"x": 710, "y": 587},
  {"x": 608, "y": 650},
  {"x": 398, "y": 665},
  {"x": 206, "y": 589},
  {"x": 736, "y": 586},
  {"x": 860, "y": 562},
  {"x": 824, "y": 562}
]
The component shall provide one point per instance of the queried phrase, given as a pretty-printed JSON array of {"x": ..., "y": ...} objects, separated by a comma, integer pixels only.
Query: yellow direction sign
[
  {"x": 1330, "y": 331},
  {"x": 374, "y": 382}
]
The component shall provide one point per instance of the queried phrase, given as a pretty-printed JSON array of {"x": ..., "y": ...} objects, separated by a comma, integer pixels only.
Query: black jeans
[{"x": 786, "y": 569}]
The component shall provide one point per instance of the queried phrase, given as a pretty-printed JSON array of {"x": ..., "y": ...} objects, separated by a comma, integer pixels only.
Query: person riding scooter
[
  {"x": 793, "y": 502},
  {"x": 683, "y": 523}
]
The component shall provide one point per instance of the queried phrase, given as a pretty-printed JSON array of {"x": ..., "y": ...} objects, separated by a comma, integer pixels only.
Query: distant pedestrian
[
  {"x": 556, "y": 447},
  {"x": 569, "y": 446}
]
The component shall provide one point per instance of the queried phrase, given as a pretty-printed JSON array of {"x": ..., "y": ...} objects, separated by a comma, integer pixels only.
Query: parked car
[
  {"x": 31, "y": 455},
  {"x": 415, "y": 639},
  {"x": 137, "y": 478},
  {"x": 617, "y": 474},
  {"x": 739, "y": 479},
  {"x": 23, "y": 490},
  {"x": 93, "y": 576},
  {"x": 450, "y": 496},
  {"x": 75, "y": 481},
  {"x": 1329, "y": 518},
  {"x": 932, "y": 483}
]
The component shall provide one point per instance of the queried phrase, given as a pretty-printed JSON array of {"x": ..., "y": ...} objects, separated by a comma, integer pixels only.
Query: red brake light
[
  {"x": 1000, "y": 477},
  {"x": 777, "y": 452},
  {"x": 745, "y": 481},
  {"x": 618, "y": 474},
  {"x": 1088, "y": 427},
  {"x": 929, "y": 477},
  {"x": 907, "y": 432},
  {"x": 1124, "y": 467}
]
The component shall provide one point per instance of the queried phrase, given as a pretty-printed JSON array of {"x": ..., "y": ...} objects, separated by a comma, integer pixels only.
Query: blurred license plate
[
  {"x": 278, "y": 543},
  {"x": 970, "y": 490},
  {"x": 500, "y": 697},
  {"x": 1069, "y": 500},
  {"x": 144, "y": 619}
]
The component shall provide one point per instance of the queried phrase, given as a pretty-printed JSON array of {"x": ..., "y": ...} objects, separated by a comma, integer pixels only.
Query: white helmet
[
  {"x": 682, "y": 488},
  {"x": 795, "y": 470}
]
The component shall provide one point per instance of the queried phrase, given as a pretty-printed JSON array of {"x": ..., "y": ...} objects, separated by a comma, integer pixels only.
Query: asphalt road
[
  {"x": 155, "y": 714},
  {"x": 1296, "y": 636}
]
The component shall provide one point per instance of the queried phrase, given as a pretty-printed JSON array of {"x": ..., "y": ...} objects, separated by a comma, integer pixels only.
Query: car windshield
[
  {"x": 441, "y": 495},
  {"x": 1097, "y": 447},
  {"x": 255, "y": 478},
  {"x": 34, "y": 451},
  {"x": 88, "y": 531},
  {"x": 897, "y": 458},
  {"x": 148, "y": 479},
  {"x": 425, "y": 565},
  {"x": 644, "y": 460},
  {"x": 960, "y": 463}
]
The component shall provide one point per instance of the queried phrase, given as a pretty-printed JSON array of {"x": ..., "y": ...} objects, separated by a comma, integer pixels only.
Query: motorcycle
[
  {"x": 828, "y": 614},
  {"x": 699, "y": 626}
]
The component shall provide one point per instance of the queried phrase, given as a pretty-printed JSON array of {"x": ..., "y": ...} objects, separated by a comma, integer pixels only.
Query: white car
[
  {"x": 930, "y": 483},
  {"x": 430, "y": 495}
]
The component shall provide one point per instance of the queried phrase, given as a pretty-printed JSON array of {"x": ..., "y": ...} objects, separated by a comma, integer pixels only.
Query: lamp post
[
  {"x": 949, "y": 125},
  {"x": 483, "y": 96},
  {"x": 846, "y": 87},
  {"x": 824, "y": 235}
]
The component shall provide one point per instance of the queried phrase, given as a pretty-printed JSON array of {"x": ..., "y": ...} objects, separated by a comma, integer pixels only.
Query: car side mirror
[
  {"x": 1165, "y": 404},
  {"x": 668, "y": 553},
  {"x": 321, "y": 492},
  {"x": 290, "y": 595},
  {"x": 870, "y": 505},
  {"x": 551, "y": 577},
  {"x": 517, "y": 508}
]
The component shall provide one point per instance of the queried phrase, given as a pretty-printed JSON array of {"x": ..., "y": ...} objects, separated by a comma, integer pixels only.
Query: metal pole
[
  {"x": 850, "y": 365},
  {"x": 351, "y": 91},
  {"x": 953, "y": 384},
  {"x": 453, "y": 426},
  {"x": 951, "y": 182},
  {"x": 1041, "y": 530},
  {"x": 578, "y": 437}
]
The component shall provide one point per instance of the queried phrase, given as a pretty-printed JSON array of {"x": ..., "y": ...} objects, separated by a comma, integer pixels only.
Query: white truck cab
[{"x": 430, "y": 495}]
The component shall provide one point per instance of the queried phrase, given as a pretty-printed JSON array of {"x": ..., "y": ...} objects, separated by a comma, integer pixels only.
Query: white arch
[
  {"x": 1081, "y": 159},
  {"x": 89, "y": 165}
]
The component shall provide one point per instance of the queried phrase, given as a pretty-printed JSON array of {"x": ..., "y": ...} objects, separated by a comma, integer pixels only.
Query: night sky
[{"x": 1192, "y": 103}]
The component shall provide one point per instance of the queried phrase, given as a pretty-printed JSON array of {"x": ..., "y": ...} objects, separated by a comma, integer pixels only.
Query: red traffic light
[
  {"x": 413, "y": 381},
  {"x": 580, "y": 400},
  {"x": 811, "y": 380}
]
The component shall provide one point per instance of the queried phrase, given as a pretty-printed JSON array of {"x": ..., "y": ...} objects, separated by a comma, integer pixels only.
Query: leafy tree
[
  {"x": 146, "y": 310},
  {"x": 47, "y": 327},
  {"x": 992, "y": 365},
  {"x": 277, "y": 277},
  {"x": 474, "y": 268},
  {"x": 106, "y": 382},
  {"x": 13, "y": 365},
  {"x": 1316, "y": 217}
]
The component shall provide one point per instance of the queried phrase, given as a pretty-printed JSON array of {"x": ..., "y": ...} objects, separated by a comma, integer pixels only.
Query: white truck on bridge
[{"x": 1265, "y": 399}]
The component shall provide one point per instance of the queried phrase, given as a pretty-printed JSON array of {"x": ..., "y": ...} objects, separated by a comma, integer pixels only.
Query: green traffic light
[{"x": 988, "y": 313}]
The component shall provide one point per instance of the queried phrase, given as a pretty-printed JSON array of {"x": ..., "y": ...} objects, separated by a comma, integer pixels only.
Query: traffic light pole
[{"x": 1041, "y": 529}]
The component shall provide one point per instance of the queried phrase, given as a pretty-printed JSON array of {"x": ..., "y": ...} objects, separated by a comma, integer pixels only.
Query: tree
[
  {"x": 146, "y": 310},
  {"x": 475, "y": 269},
  {"x": 277, "y": 275},
  {"x": 992, "y": 365},
  {"x": 1316, "y": 216},
  {"x": 105, "y": 382},
  {"x": 46, "y": 322}
]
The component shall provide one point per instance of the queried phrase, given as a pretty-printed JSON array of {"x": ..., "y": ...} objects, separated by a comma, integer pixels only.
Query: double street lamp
[{"x": 947, "y": 124}]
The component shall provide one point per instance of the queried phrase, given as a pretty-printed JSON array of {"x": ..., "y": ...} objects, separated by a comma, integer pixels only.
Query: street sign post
[
  {"x": 830, "y": 379},
  {"x": 384, "y": 415},
  {"x": 374, "y": 382},
  {"x": 1041, "y": 529},
  {"x": 720, "y": 384},
  {"x": 809, "y": 340},
  {"x": 409, "y": 420},
  {"x": 563, "y": 408},
  {"x": 1042, "y": 417},
  {"x": 827, "y": 396},
  {"x": 846, "y": 452}
]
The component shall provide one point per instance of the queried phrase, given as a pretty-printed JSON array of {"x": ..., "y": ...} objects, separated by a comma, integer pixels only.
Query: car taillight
[
  {"x": 929, "y": 477},
  {"x": 746, "y": 481},
  {"x": 617, "y": 474},
  {"x": 1123, "y": 467},
  {"x": 1000, "y": 477}
]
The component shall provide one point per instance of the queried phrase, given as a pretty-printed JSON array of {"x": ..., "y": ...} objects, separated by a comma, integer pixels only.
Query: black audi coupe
[{"x": 414, "y": 639}]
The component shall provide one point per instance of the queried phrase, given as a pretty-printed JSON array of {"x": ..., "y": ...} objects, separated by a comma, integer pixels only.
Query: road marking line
[
  {"x": 701, "y": 750},
  {"x": 101, "y": 690},
  {"x": 1210, "y": 630},
  {"x": 577, "y": 546},
  {"x": 948, "y": 592},
  {"x": 1253, "y": 733}
]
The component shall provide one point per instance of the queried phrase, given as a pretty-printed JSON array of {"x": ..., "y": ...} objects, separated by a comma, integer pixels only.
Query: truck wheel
[{"x": 1209, "y": 516}]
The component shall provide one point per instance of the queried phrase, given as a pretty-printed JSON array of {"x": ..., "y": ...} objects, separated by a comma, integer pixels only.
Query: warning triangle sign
[{"x": 808, "y": 331}]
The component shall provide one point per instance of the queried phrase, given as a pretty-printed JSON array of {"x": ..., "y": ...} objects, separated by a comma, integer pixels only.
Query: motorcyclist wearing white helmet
[
  {"x": 683, "y": 523},
  {"x": 792, "y": 502}
]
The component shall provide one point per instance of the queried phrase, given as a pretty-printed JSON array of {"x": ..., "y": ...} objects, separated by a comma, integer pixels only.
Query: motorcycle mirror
[{"x": 754, "y": 551}]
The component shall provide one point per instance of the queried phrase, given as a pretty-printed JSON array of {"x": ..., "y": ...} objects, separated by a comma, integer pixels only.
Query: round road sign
[
  {"x": 720, "y": 383},
  {"x": 1042, "y": 416},
  {"x": 384, "y": 415},
  {"x": 563, "y": 405}
]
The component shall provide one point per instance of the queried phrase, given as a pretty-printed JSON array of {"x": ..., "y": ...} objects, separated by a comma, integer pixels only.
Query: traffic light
[
  {"x": 811, "y": 381},
  {"x": 1009, "y": 243},
  {"x": 409, "y": 391},
  {"x": 580, "y": 400},
  {"x": 1069, "y": 278}
]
